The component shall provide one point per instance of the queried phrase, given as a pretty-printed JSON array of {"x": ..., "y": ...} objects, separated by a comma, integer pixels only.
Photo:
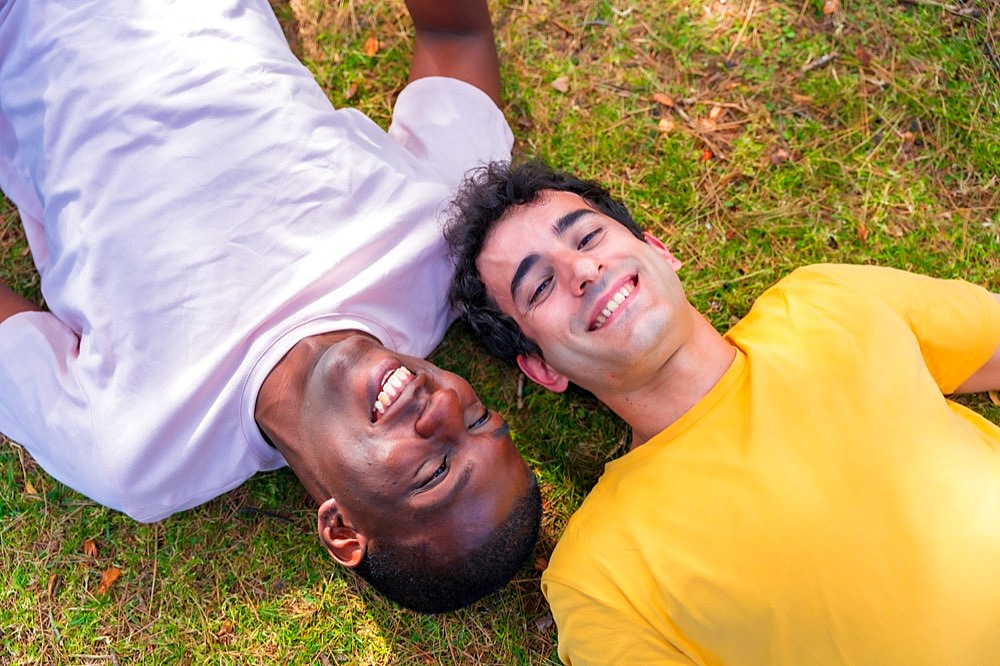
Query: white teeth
[
  {"x": 392, "y": 387},
  {"x": 617, "y": 299}
]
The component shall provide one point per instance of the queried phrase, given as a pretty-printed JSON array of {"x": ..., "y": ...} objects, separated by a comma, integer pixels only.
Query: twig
[
  {"x": 250, "y": 510},
  {"x": 821, "y": 61},
  {"x": 55, "y": 629},
  {"x": 743, "y": 29},
  {"x": 970, "y": 12},
  {"x": 991, "y": 54}
]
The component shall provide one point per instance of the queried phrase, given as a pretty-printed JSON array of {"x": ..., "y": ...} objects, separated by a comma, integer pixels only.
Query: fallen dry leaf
[
  {"x": 90, "y": 548},
  {"x": 351, "y": 89},
  {"x": 541, "y": 564},
  {"x": 29, "y": 489},
  {"x": 371, "y": 46},
  {"x": 561, "y": 84},
  {"x": 802, "y": 99},
  {"x": 664, "y": 99},
  {"x": 110, "y": 575},
  {"x": 862, "y": 232},
  {"x": 666, "y": 125},
  {"x": 862, "y": 55},
  {"x": 831, "y": 7},
  {"x": 780, "y": 156},
  {"x": 714, "y": 114},
  {"x": 225, "y": 629},
  {"x": 53, "y": 587},
  {"x": 544, "y": 623},
  {"x": 994, "y": 397}
]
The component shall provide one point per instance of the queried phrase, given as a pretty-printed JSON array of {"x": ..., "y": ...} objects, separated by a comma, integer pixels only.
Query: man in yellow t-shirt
[{"x": 799, "y": 490}]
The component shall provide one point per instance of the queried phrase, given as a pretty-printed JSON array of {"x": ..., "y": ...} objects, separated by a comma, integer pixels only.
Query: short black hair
[
  {"x": 408, "y": 575},
  {"x": 489, "y": 193}
]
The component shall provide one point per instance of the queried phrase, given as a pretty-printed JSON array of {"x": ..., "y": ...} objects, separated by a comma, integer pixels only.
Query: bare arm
[
  {"x": 986, "y": 378},
  {"x": 454, "y": 38},
  {"x": 11, "y": 303}
]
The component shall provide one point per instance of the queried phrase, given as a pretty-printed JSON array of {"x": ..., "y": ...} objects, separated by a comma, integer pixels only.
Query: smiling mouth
[
  {"x": 613, "y": 303},
  {"x": 393, "y": 384}
]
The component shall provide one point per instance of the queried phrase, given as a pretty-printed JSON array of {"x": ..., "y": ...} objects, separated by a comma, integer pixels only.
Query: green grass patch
[{"x": 869, "y": 135}]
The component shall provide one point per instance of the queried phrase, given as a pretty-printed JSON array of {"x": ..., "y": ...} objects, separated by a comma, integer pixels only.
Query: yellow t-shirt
[{"x": 823, "y": 504}]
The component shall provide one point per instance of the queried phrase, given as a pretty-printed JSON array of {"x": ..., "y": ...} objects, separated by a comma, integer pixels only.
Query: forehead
[
  {"x": 542, "y": 214},
  {"x": 526, "y": 229}
]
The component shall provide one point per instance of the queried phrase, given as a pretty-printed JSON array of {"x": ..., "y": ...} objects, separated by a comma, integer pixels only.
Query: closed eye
[
  {"x": 586, "y": 240},
  {"x": 481, "y": 420},
  {"x": 539, "y": 290},
  {"x": 438, "y": 472}
]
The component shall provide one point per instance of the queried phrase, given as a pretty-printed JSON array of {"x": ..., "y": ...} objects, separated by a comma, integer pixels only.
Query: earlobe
[
  {"x": 662, "y": 249},
  {"x": 543, "y": 374},
  {"x": 345, "y": 544}
]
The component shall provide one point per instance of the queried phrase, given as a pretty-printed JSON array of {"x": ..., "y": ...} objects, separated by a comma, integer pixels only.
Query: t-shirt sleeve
[
  {"x": 956, "y": 323},
  {"x": 44, "y": 408},
  {"x": 450, "y": 124},
  {"x": 591, "y": 632}
]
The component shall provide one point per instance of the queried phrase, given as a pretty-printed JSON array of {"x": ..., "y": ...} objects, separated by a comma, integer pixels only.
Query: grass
[{"x": 752, "y": 135}]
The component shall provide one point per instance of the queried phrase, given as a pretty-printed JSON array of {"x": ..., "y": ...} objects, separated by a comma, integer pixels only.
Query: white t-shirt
[{"x": 195, "y": 207}]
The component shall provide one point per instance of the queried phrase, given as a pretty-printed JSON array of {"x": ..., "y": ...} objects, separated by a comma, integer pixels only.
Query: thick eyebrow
[
  {"x": 501, "y": 431},
  {"x": 559, "y": 228}
]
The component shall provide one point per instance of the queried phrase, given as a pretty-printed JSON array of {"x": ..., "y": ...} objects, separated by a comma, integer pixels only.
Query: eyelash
[
  {"x": 539, "y": 290},
  {"x": 585, "y": 241},
  {"x": 481, "y": 420}
]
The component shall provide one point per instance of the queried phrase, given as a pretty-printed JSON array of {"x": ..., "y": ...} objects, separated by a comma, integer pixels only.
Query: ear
[
  {"x": 662, "y": 249},
  {"x": 543, "y": 374},
  {"x": 345, "y": 544}
]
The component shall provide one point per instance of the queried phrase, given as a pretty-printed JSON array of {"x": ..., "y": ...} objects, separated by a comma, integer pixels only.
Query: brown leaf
[
  {"x": 29, "y": 489},
  {"x": 664, "y": 99},
  {"x": 90, "y": 548},
  {"x": 862, "y": 232},
  {"x": 225, "y": 629},
  {"x": 110, "y": 575},
  {"x": 666, "y": 125},
  {"x": 802, "y": 99},
  {"x": 561, "y": 84},
  {"x": 831, "y": 7},
  {"x": 714, "y": 114},
  {"x": 541, "y": 564},
  {"x": 994, "y": 397},
  {"x": 371, "y": 46},
  {"x": 862, "y": 55},
  {"x": 544, "y": 622},
  {"x": 780, "y": 156},
  {"x": 351, "y": 90},
  {"x": 53, "y": 587}
]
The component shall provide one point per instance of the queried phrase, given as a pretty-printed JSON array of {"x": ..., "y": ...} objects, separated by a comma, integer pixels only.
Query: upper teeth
[
  {"x": 617, "y": 299},
  {"x": 392, "y": 386}
]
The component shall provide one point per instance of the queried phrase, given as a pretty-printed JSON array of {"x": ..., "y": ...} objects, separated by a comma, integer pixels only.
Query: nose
[
  {"x": 443, "y": 415},
  {"x": 584, "y": 269}
]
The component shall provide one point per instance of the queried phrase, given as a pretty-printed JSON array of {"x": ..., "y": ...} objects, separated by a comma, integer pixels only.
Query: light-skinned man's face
[
  {"x": 405, "y": 451},
  {"x": 603, "y": 305}
]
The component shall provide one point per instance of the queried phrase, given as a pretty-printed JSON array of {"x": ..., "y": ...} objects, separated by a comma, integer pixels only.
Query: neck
[{"x": 677, "y": 386}]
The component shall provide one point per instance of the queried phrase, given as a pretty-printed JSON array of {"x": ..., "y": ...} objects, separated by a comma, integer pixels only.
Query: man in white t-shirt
[{"x": 237, "y": 276}]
